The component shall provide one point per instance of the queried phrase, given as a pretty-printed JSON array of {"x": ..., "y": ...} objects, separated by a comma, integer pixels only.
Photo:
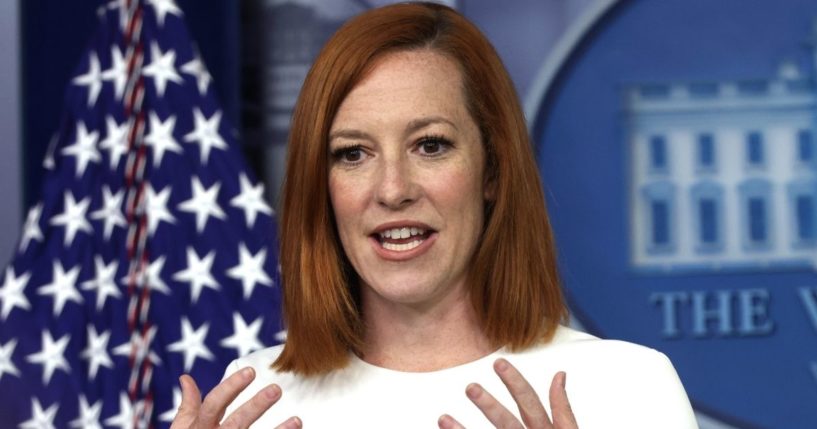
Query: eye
[
  {"x": 349, "y": 155},
  {"x": 433, "y": 145}
]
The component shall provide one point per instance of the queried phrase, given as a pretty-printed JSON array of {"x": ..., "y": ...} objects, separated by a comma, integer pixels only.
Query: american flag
[{"x": 151, "y": 251}]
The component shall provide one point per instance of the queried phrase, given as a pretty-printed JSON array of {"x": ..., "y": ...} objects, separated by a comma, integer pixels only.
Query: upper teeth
[{"x": 404, "y": 232}]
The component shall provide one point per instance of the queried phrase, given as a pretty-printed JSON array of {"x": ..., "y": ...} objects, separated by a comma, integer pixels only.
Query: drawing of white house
[{"x": 724, "y": 174}]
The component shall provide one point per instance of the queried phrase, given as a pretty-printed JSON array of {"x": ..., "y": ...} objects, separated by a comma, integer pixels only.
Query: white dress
[{"x": 610, "y": 384}]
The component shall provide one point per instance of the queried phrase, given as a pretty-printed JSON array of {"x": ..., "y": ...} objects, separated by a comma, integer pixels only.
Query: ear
[{"x": 489, "y": 189}]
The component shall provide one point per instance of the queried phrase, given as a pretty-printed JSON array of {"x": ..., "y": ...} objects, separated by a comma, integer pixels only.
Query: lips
[{"x": 402, "y": 238}]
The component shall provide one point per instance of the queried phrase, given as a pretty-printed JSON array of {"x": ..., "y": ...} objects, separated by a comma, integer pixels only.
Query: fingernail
[
  {"x": 294, "y": 423},
  {"x": 562, "y": 379},
  {"x": 246, "y": 373},
  {"x": 444, "y": 422},
  {"x": 473, "y": 391},
  {"x": 272, "y": 392},
  {"x": 501, "y": 365}
]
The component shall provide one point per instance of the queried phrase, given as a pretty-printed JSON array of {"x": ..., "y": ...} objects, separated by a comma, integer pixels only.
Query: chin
[{"x": 407, "y": 291}]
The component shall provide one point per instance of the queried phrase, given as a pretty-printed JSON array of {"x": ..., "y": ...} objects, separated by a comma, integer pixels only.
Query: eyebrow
[
  {"x": 421, "y": 123},
  {"x": 350, "y": 134},
  {"x": 413, "y": 126}
]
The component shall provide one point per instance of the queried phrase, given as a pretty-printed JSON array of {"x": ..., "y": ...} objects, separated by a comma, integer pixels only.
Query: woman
[{"x": 417, "y": 257}]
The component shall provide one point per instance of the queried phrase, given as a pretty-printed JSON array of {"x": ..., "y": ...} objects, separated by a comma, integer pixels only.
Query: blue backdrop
[{"x": 586, "y": 131}]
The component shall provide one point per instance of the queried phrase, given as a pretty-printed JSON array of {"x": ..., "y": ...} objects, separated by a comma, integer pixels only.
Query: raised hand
[
  {"x": 195, "y": 414},
  {"x": 533, "y": 413}
]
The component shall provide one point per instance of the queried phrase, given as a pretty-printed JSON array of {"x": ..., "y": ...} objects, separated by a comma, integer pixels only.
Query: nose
[{"x": 396, "y": 187}]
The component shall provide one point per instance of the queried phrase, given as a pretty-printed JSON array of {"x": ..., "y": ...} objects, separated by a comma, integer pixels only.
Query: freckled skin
[{"x": 395, "y": 178}]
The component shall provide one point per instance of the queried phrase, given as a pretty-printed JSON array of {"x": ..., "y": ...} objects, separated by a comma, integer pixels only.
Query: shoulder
[
  {"x": 584, "y": 347},
  {"x": 611, "y": 381},
  {"x": 607, "y": 358},
  {"x": 261, "y": 362},
  {"x": 296, "y": 385},
  {"x": 258, "y": 359}
]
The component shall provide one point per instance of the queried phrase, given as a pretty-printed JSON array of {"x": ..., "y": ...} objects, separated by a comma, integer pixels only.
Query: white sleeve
[
  {"x": 623, "y": 385},
  {"x": 665, "y": 402}
]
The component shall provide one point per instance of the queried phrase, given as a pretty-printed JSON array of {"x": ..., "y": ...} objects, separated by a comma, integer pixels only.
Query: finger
[
  {"x": 530, "y": 406},
  {"x": 215, "y": 403},
  {"x": 291, "y": 423},
  {"x": 563, "y": 417},
  {"x": 491, "y": 408},
  {"x": 251, "y": 410},
  {"x": 447, "y": 422},
  {"x": 191, "y": 401}
]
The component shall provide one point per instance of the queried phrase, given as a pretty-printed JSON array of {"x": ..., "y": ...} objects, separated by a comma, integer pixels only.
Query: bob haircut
[{"x": 513, "y": 279}]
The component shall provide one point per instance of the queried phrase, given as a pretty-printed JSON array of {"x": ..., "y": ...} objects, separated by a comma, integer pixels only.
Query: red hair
[{"x": 514, "y": 284}]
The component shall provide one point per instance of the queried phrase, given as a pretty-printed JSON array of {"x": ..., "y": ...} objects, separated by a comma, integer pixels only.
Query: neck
[{"x": 419, "y": 337}]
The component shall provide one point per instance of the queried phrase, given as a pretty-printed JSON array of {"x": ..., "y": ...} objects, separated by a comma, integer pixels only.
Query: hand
[
  {"x": 195, "y": 414},
  {"x": 534, "y": 415}
]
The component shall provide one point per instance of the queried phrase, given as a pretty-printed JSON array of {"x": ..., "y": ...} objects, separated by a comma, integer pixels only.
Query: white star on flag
[
  {"x": 6, "y": 363},
  {"x": 160, "y": 138},
  {"x": 152, "y": 276},
  {"x": 12, "y": 294},
  {"x": 118, "y": 73},
  {"x": 110, "y": 213},
  {"x": 84, "y": 149},
  {"x": 138, "y": 347},
  {"x": 117, "y": 5},
  {"x": 195, "y": 68},
  {"x": 251, "y": 200},
  {"x": 162, "y": 68},
  {"x": 96, "y": 352},
  {"x": 40, "y": 419},
  {"x": 163, "y": 7},
  {"x": 192, "y": 344},
  {"x": 51, "y": 355},
  {"x": 126, "y": 419},
  {"x": 250, "y": 270},
  {"x": 73, "y": 218},
  {"x": 157, "y": 208},
  {"x": 115, "y": 141},
  {"x": 245, "y": 338},
  {"x": 203, "y": 203},
  {"x": 170, "y": 414},
  {"x": 104, "y": 282},
  {"x": 88, "y": 415},
  {"x": 48, "y": 162},
  {"x": 197, "y": 273},
  {"x": 92, "y": 79},
  {"x": 62, "y": 287},
  {"x": 205, "y": 132},
  {"x": 31, "y": 229}
]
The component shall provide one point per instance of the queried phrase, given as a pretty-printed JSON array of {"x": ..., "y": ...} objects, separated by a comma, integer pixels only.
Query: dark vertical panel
[
  {"x": 660, "y": 223},
  {"x": 757, "y": 220},
  {"x": 215, "y": 26},
  {"x": 658, "y": 152},
  {"x": 708, "y": 221},
  {"x": 805, "y": 146},
  {"x": 805, "y": 218},
  {"x": 54, "y": 34}
]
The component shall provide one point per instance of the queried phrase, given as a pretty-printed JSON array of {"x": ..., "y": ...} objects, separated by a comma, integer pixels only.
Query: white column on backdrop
[{"x": 10, "y": 157}]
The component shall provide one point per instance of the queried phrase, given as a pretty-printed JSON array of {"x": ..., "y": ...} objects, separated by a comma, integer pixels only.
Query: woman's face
[{"x": 406, "y": 180}]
